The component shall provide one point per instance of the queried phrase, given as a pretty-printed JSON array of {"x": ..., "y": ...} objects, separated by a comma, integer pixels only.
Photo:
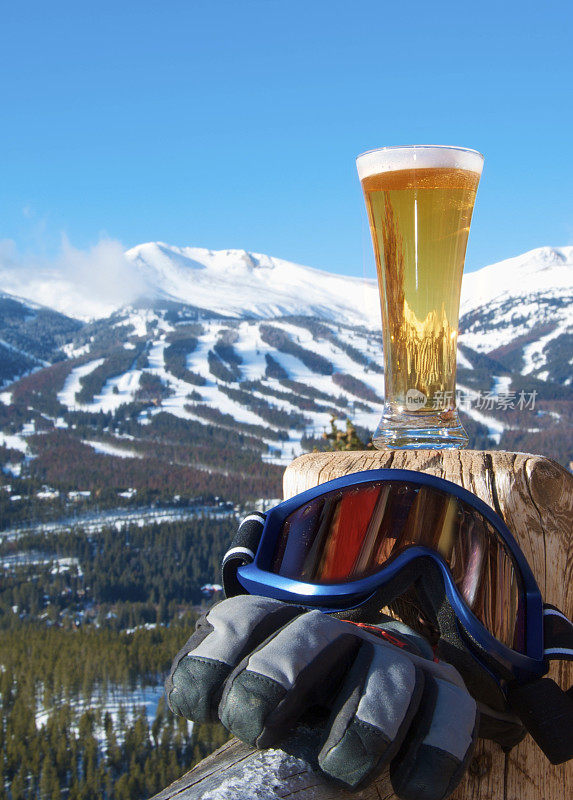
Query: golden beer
[{"x": 420, "y": 202}]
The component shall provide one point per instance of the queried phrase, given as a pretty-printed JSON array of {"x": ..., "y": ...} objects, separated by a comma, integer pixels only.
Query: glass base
[{"x": 399, "y": 430}]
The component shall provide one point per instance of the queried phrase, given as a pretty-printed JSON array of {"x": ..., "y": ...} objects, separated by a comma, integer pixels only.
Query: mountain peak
[
  {"x": 239, "y": 283},
  {"x": 553, "y": 255},
  {"x": 519, "y": 277},
  {"x": 541, "y": 259}
]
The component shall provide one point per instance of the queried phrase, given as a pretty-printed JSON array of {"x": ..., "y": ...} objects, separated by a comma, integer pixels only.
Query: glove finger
[
  {"x": 440, "y": 741},
  {"x": 300, "y": 666},
  {"x": 223, "y": 637},
  {"x": 373, "y": 711}
]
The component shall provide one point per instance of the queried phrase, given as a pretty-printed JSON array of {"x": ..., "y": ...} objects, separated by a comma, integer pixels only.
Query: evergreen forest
[{"x": 89, "y": 624}]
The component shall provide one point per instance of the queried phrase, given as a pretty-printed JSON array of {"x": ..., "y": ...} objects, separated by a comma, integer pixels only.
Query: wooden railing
[{"x": 535, "y": 497}]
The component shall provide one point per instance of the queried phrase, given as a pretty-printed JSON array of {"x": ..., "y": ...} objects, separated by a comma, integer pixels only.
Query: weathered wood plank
[
  {"x": 239, "y": 771},
  {"x": 535, "y": 497}
]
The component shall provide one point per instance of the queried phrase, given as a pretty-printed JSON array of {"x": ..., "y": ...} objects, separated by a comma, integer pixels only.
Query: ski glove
[{"x": 258, "y": 665}]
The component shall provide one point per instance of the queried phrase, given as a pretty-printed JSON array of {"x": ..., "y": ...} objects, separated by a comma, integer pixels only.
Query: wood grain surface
[{"x": 534, "y": 495}]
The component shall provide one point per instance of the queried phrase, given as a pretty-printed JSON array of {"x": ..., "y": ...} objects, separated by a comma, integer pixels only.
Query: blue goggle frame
[{"x": 256, "y": 578}]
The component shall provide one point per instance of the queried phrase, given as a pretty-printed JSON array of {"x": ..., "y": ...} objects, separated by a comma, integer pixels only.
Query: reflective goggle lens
[{"x": 348, "y": 534}]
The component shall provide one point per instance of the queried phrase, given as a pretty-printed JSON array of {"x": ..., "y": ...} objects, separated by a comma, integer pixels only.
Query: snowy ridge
[
  {"x": 508, "y": 301},
  {"x": 532, "y": 288},
  {"x": 239, "y": 284},
  {"x": 545, "y": 269},
  {"x": 11, "y": 295}
]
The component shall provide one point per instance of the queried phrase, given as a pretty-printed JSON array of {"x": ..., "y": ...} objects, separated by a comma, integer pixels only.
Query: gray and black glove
[{"x": 259, "y": 665}]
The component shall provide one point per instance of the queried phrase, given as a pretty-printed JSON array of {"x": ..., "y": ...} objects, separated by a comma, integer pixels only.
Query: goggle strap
[
  {"x": 545, "y": 709},
  {"x": 557, "y": 634},
  {"x": 547, "y": 713},
  {"x": 242, "y": 551}
]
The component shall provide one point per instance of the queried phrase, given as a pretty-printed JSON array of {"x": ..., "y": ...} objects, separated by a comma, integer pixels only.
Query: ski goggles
[{"x": 371, "y": 534}]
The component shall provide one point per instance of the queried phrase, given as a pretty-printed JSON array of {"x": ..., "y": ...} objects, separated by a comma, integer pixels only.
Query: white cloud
[
  {"x": 82, "y": 283},
  {"x": 102, "y": 271}
]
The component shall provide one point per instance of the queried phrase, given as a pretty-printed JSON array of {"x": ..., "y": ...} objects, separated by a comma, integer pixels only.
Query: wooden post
[{"x": 535, "y": 497}]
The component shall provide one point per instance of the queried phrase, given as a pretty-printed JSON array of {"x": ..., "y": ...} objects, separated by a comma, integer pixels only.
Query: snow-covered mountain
[
  {"x": 271, "y": 349},
  {"x": 241, "y": 284},
  {"x": 521, "y": 310},
  {"x": 500, "y": 302},
  {"x": 527, "y": 300},
  {"x": 518, "y": 308},
  {"x": 543, "y": 270},
  {"x": 228, "y": 282}
]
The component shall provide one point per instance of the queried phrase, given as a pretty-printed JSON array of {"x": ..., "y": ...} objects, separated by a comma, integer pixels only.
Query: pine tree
[
  {"x": 48, "y": 779},
  {"x": 18, "y": 788},
  {"x": 3, "y": 792},
  {"x": 343, "y": 440}
]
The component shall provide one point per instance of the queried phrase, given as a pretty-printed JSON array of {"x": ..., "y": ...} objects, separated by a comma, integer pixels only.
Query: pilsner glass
[{"x": 420, "y": 201}]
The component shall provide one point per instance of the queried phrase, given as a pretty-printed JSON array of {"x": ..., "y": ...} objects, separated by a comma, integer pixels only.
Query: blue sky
[{"x": 235, "y": 123}]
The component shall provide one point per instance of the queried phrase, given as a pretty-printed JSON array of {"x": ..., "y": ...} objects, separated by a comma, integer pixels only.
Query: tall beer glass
[{"x": 420, "y": 201}]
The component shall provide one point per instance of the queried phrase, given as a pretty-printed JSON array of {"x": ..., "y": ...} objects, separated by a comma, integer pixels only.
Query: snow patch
[
  {"x": 262, "y": 778},
  {"x": 14, "y": 441},
  {"x": 47, "y": 494},
  {"x": 73, "y": 351},
  {"x": 72, "y": 385},
  {"x": 112, "y": 450},
  {"x": 463, "y": 361},
  {"x": 501, "y": 384},
  {"x": 495, "y": 428},
  {"x": 110, "y": 700},
  {"x": 59, "y": 564},
  {"x": 533, "y": 355}
]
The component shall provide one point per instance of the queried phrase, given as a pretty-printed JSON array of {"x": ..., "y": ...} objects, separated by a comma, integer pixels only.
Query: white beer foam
[{"x": 419, "y": 156}]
